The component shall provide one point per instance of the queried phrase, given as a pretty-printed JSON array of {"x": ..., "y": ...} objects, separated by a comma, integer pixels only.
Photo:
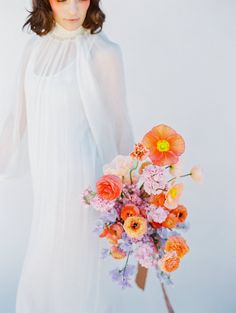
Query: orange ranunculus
[
  {"x": 114, "y": 233},
  {"x": 109, "y": 187},
  {"x": 117, "y": 253},
  {"x": 177, "y": 244},
  {"x": 129, "y": 210},
  {"x": 173, "y": 196},
  {"x": 169, "y": 262},
  {"x": 158, "y": 200},
  {"x": 143, "y": 165},
  {"x": 165, "y": 145},
  {"x": 181, "y": 213},
  {"x": 170, "y": 222},
  {"x": 135, "y": 226}
]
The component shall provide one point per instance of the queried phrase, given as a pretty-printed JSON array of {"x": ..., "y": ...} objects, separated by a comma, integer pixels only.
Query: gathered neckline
[{"x": 62, "y": 33}]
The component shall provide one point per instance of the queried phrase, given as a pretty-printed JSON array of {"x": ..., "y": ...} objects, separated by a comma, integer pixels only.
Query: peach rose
[
  {"x": 109, "y": 187},
  {"x": 169, "y": 262},
  {"x": 177, "y": 244}
]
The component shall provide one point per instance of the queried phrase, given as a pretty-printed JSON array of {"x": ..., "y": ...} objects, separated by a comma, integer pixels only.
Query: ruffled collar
[{"x": 62, "y": 33}]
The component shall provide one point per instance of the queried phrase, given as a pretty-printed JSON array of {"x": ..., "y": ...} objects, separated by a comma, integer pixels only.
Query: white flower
[
  {"x": 176, "y": 169},
  {"x": 196, "y": 174},
  {"x": 120, "y": 166}
]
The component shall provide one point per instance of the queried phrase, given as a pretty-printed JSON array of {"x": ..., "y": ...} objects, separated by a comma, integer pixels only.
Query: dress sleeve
[
  {"x": 109, "y": 71},
  {"x": 13, "y": 125}
]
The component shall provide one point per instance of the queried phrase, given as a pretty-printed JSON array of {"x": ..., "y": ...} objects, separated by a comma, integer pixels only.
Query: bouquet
[{"x": 139, "y": 198}]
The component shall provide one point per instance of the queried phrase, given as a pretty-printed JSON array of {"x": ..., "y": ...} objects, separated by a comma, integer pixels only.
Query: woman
[{"x": 70, "y": 105}]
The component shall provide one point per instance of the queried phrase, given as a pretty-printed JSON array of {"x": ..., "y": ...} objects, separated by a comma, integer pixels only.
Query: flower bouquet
[{"x": 141, "y": 212}]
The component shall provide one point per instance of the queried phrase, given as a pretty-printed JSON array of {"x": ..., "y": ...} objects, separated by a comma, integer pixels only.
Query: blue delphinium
[
  {"x": 123, "y": 276},
  {"x": 99, "y": 227},
  {"x": 105, "y": 253},
  {"x": 110, "y": 216},
  {"x": 164, "y": 278}
]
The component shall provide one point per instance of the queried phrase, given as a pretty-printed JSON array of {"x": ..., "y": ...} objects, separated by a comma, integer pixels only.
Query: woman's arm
[{"x": 13, "y": 125}]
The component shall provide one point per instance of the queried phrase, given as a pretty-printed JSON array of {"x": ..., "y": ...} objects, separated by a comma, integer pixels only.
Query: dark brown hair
[{"x": 41, "y": 21}]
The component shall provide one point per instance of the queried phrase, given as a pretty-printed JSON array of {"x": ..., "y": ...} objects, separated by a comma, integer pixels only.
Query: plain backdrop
[{"x": 180, "y": 68}]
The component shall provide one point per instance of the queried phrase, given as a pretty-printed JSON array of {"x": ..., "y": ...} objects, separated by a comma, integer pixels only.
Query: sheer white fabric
[{"x": 70, "y": 117}]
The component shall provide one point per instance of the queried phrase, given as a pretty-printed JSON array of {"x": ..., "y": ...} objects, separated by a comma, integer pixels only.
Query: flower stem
[
  {"x": 130, "y": 172},
  {"x": 125, "y": 265},
  {"x": 179, "y": 177}
]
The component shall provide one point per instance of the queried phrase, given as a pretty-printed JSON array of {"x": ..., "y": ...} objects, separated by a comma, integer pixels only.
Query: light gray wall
[{"x": 180, "y": 70}]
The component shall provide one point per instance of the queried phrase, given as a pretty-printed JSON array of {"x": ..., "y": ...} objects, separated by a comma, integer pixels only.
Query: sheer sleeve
[
  {"x": 109, "y": 70},
  {"x": 13, "y": 125},
  {"x": 103, "y": 91}
]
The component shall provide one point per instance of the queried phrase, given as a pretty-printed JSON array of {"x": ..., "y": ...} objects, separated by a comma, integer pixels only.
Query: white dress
[{"x": 70, "y": 110}]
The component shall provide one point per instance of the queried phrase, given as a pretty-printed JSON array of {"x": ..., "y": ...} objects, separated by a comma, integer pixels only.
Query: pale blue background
[{"x": 180, "y": 70}]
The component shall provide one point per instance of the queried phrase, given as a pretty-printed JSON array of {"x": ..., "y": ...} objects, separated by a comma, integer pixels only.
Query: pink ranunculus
[{"x": 109, "y": 187}]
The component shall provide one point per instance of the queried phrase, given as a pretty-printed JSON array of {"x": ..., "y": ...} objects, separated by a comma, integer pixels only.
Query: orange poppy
[
  {"x": 171, "y": 221},
  {"x": 169, "y": 262},
  {"x": 165, "y": 145},
  {"x": 135, "y": 226},
  {"x": 129, "y": 210},
  {"x": 112, "y": 233},
  {"x": 181, "y": 213},
  {"x": 158, "y": 200}
]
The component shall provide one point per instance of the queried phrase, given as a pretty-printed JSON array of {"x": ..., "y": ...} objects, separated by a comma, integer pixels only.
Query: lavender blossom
[
  {"x": 105, "y": 253},
  {"x": 183, "y": 226},
  {"x": 122, "y": 277},
  {"x": 146, "y": 254},
  {"x": 99, "y": 227},
  {"x": 164, "y": 277}
]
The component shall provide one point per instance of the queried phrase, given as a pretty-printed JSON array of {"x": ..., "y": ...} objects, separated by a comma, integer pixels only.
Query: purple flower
[
  {"x": 164, "y": 277},
  {"x": 110, "y": 216},
  {"x": 162, "y": 232},
  {"x": 126, "y": 246},
  {"x": 145, "y": 253},
  {"x": 99, "y": 227},
  {"x": 123, "y": 276},
  {"x": 105, "y": 253},
  {"x": 183, "y": 226}
]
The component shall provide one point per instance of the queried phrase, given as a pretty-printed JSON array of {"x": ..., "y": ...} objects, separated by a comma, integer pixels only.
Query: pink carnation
[
  {"x": 156, "y": 214},
  {"x": 154, "y": 179}
]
